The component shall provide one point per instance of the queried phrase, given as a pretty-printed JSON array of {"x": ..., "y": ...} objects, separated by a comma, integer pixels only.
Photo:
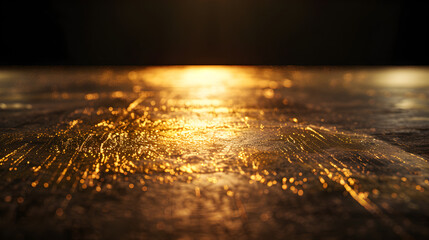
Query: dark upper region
[{"x": 309, "y": 32}]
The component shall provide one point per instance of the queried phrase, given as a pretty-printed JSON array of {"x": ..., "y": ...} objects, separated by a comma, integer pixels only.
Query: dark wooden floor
[{"x": 214, "y": 152}]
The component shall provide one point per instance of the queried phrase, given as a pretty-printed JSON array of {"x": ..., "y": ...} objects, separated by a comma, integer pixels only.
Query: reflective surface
[{"x": 209, "y": 152}]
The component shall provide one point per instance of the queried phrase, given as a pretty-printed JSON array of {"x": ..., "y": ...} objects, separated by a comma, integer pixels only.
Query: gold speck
[
  {"x": 59, "y": 212},
  {"x": 197, "y": 192},
  {"x": 268, "y": 93},
  {"x": 265, "y": 217},
  {"x": 287, "y": 83}
]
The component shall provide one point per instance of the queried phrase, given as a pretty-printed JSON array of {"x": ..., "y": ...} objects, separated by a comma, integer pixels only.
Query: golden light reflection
[
  {"x": 211, "y": 76},
  {"x": 185, "y": 77},
  {"x": 204, "y": 76}
]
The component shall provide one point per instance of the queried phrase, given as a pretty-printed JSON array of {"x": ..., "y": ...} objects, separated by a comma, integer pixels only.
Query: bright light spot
[
  {"x": 205, "y": 76},
  {"x": 403, "y": 78}
]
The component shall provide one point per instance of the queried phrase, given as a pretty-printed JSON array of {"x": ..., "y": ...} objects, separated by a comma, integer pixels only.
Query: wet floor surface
[{"x": 213, "y": 152}]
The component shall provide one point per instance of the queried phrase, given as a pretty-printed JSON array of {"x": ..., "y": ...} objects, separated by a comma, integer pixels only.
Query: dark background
[{"x": 304, "y": 32}]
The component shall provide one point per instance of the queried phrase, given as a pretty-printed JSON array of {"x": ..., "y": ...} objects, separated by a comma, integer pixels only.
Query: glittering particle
[
  {"x": 59, "y": 212},
  {"x": 287, "y": 83},
  {"x": 268, "y": 93},
  {"x": 197, "y": 192},
  {"x": 265, "y": 217}
]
